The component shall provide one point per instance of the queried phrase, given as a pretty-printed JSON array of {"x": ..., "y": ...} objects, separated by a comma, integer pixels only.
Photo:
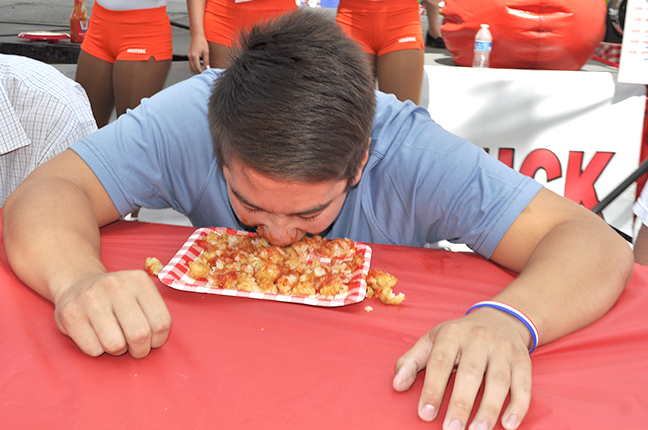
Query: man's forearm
[
  {"x": 50, "y": 235},
  {"x": 196, "y": 13},
  {"x": 573, "y": 277}
]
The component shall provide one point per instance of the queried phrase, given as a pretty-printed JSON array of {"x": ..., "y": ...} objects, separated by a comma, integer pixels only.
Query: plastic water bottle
[{"x": 483, "y": 44}]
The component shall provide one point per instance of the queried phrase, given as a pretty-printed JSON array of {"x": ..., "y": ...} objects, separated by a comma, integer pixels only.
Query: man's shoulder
[
  {"x": 399, "y": 124},
  {"x": 20, "y": 64},
  {"x": 392, "y": 114},
  {"x": 22, "y": 75},
  {"x": 197, "y": 86}
]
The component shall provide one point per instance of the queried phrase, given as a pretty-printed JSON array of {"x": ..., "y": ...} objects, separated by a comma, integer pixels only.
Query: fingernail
[
  {"x": 398, "y": 377},
  {"x": 427, "y": 412},
  {"x": 481, "y": 426},
  {"x": 512, "y": 422},
  {"x": 454, "y": 425}
]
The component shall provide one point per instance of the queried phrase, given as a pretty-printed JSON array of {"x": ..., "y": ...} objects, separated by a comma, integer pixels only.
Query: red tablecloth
[{"x": 237, "y": 363}]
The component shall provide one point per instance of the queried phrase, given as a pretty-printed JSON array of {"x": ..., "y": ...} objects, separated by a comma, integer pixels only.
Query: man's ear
[{"x": 358, "y": 175}]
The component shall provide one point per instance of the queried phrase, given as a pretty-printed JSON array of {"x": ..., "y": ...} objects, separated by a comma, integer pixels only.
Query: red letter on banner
[
  {"x": 542, "y": 159},
  {"x": 579, "y": 184},
  {"x": 506, "y": 156}
]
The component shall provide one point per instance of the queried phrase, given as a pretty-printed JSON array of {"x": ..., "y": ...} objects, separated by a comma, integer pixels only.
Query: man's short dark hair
[{"x": 297, "y": 102}]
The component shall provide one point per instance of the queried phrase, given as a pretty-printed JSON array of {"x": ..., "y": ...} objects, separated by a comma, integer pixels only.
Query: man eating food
[{"x": 292, "y": 139}]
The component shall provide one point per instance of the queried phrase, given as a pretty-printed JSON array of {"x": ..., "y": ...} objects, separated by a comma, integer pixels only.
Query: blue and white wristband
[{"x": 512, "y": 311}]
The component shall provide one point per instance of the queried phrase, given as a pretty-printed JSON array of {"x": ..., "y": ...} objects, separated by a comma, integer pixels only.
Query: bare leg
[
  {"x": 432, "y": 8},
  {"x": 95, "y": 76},
  {"x": 134, "y": 80},
  {"x": 218, "y": 55},
  {"x": 371, "y": 58},
  {"x": 401, "y": 73}
]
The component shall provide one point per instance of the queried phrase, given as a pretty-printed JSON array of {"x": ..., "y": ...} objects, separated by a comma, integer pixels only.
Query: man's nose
[
  {"x": 280, "y": 231},
  {"x": 279, "y": 240}
]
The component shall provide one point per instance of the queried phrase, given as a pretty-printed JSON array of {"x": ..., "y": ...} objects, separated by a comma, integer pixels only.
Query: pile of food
[
  {"x": 314, "y": 267},
  {"x": 381, "y": 284}
]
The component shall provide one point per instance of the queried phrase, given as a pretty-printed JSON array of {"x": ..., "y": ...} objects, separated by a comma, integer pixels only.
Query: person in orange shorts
[
  {"x": 125, "y": 56},
  {"x": 215, "y": 24},
  {"x": 390, "y": 32}
]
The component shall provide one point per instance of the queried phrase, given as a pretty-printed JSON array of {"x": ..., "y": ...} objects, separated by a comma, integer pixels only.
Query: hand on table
[
  {"x": 114, "y": 313},
  {"x": 487, "y": 345},
  {"x": 199, "y": 48}
]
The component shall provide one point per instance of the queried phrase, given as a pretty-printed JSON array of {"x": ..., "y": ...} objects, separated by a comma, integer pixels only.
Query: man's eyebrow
[{"x": 311, "y": 211}]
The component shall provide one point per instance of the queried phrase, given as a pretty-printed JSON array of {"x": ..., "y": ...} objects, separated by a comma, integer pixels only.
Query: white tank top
[{"x": 131, "y": 4}]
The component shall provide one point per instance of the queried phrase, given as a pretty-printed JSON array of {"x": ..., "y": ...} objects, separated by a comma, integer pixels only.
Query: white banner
[
  {"x": 633, "y": 65},
  {"x": 578, "y": 133}
]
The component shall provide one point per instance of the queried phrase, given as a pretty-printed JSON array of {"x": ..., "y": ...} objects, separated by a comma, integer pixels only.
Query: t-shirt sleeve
[
  {"x": 157, "y": 155},
  {"x": 432, "y": 185},
  {"x": 476, "y": 200}
]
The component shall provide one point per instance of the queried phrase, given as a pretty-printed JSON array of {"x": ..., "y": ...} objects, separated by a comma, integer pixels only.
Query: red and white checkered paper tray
[{"x": 176, "y": 275}]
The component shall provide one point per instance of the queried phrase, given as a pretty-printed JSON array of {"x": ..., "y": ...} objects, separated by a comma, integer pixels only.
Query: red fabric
[
  {"x": 381, "y": 27},
  {"x": 237, "y": 363},
  {"x": 527, "y": 34},
  {"x": 608, "y": 53},
  {"x": 224, "y": 19},
  {"x": 129, "y": 35}
]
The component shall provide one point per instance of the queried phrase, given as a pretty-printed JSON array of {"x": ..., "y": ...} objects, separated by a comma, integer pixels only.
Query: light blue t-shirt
[{"x": 421, "y": 184}]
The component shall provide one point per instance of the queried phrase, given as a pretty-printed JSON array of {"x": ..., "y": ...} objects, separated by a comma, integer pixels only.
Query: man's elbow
[{"x": 624, "y": 260}]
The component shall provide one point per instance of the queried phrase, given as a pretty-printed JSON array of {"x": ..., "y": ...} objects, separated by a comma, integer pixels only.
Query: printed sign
[
  {"x": 577, "y": 133},
  {"x": 633, "y": 66}
]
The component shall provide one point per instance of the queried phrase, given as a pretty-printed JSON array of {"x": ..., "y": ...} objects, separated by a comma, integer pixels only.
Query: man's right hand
[
  {"x": 53, "y": 218},
  {"x": 114, "y": 313}
]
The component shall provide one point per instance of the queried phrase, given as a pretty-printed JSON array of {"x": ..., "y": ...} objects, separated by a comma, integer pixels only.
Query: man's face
[{"x": 283, "y": 211}]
